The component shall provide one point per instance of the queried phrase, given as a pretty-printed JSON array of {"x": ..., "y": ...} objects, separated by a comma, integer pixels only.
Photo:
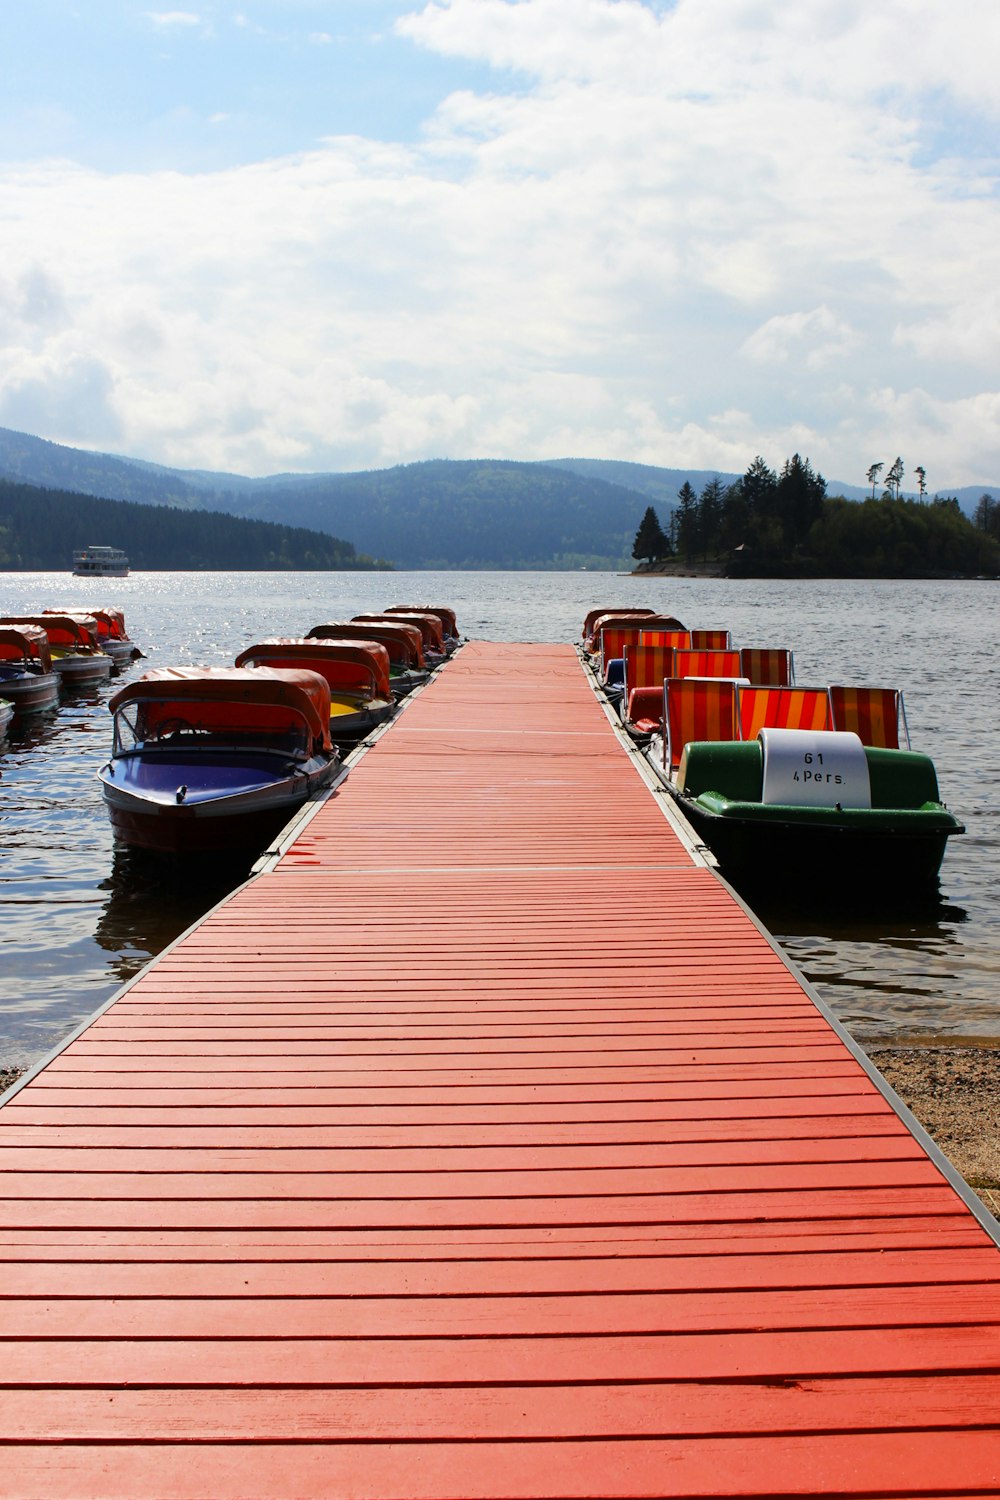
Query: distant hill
[
  {"x": 565, "y": 513},
  {"x": 41, "y": 528}
]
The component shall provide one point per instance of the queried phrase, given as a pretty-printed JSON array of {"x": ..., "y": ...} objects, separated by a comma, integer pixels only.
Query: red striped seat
[
  {"x": 707, "y": 664},
  {"x": 711, "y": 640},
  {"x": 767, "y": 666},
  {"x": 783, "y": 708},
  {"x": 873, "y": 714},
  {"x": 647, "y": 666},
  {"x": 698, "y": 710}
]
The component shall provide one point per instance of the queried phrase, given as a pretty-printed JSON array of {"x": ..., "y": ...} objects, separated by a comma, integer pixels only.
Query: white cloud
[
  {"x": 680, "y": 234},
  {"x": 166, "y": 19},
  {"x": 813, "y": 338}
]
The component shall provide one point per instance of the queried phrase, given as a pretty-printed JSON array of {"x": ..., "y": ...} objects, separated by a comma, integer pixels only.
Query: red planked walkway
[{"x": 484, "y": 1148}]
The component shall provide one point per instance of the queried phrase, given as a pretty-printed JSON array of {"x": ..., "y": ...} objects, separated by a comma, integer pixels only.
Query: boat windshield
[{"x": 155, "y": 725}]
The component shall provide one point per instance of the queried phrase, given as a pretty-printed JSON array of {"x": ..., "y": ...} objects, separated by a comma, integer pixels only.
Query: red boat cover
[
  {"x": 431, "y": 633},
  {"x": 233, "y": 697},
  {"x": 595, "y": 614},
  {"x": 357, "y": 666},
  {"x": 404, "y": 643},
  {"x": 110, "y": 622},
  {"x": 446, "y": 616},
  {"x": 25, "y": 642},
  {"x": 76, "y": 632}
]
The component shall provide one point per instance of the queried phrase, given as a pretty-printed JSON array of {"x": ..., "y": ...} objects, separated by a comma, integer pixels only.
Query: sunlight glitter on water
[{"x": 80, "y": 918}]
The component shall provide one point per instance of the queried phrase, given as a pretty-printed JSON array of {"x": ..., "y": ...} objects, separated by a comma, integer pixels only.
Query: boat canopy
[
  {"x": 431, "y": 630},
  {"x": 352, "y": 665},
  {"x": 74, "y": 632},
  {"x": 110, "y": 622},
  {"x": 446, "y": 616},
  {"x": 404, "y": 643},
  {"x": 243, "y": 698},
  {"x": 595, "y": 614},
  {"x": 25, "y": 643}
]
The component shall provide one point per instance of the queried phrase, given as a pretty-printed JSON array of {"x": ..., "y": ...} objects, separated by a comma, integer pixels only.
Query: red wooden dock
[{"x": 484, "y": 1147}]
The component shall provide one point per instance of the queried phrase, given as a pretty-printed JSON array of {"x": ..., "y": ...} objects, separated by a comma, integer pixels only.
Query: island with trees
[{"x": 783, "y": 524}]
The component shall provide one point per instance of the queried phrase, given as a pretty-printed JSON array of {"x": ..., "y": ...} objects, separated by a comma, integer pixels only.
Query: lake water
[{"x": 79, "y": 918}]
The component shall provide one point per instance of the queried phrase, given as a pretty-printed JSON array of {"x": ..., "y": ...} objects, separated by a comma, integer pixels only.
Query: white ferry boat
[{"x": 100, "y": 562}]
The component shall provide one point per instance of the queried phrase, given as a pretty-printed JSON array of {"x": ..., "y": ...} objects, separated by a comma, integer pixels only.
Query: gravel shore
[{"x": 953, "y": 1091}]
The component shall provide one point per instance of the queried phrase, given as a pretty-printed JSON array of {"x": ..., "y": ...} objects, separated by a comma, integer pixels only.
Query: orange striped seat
[
  {"x": 707, "y": 664},
  {"x": 768, "y": 666},
  {"x": 783, "y": 708},
  {"x": 698, "y": 710},
  {"x": 647, "y": 666},
  {"x": 873, "y": 714},
  {"x": 711, "y": 640},
  {"x": 664, "y": 638}
]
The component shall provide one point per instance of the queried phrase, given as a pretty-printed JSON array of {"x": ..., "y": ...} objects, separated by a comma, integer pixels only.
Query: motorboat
[
  {"x": 449, "y": 621},
  {"x": 215, "y": 760},
  {"x": 112, "y": 636},
  {"x": 802, "y": 788},
  {"x": 357, "y": 673},
  {"x": 27, "y": 679},
  {"x": 403, "y": 642},
  {"x": 429, "y": 626},
  {"x": 74, "y": 646},
  {"x": 100, "y": 562}
]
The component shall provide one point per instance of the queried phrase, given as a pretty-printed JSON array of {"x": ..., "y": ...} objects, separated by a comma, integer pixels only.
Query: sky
[{"x": 315, "y": 235}]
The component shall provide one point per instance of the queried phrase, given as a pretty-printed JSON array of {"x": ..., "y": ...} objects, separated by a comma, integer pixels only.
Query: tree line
[
  {"x": 774, "y": 524},
  {"x": 40, "y": 529}
]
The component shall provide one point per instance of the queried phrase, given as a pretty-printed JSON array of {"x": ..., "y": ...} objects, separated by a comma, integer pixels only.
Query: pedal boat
[
  {"x": 795, "y": 809},
  {"x": 404, "y": 643},
  {"x": 447, "y": 617},
  {"x": 112, "y": 637},
  {"x": 27, "y": 679},
  {"x": 429, "y": 626},
  {"x": 357, "y": 673},
  {"x": 216, "y": 760},
  {"x": 74, "y": 646}
]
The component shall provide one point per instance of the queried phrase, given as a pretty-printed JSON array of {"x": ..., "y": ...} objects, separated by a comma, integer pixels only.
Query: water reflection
[
  {"x": 150, "y": 901},
  {"x": 888, "y": 969}
]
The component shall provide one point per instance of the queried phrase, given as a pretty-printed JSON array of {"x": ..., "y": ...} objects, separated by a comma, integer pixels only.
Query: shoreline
[{"x": 954, "y": 1091}]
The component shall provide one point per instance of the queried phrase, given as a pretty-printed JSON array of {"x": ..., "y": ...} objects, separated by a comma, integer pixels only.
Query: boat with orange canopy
[
  {"x": 449, "y": 622},
  {"x": 74, "y": 647},
  {"x": 403, "y": 642},
  {"x": 216, "y": 759},
  {"x": 112, "y": 636},
  {"x": 356, "y": 671},
  {"x": 27, "y": 678}
]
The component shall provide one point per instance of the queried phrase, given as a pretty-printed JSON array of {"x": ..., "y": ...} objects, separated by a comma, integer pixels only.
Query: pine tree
[{"x": 651, "y": 541}]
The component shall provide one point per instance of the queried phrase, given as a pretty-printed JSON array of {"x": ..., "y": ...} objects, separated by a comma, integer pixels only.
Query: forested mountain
[
  {"x": 40, "y": 529},
  {"x": 566, "y": 513}
]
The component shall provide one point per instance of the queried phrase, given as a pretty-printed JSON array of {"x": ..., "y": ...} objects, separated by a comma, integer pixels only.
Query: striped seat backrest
[
  {"x": 613, "y": 641},
  {"x": 711, "y": 640},
  {"x": 707, "y": 664},
  {"x": 783, "y": 708},
  {"x": 647, "y": 666},
  {"x": 873, "y": 714},
  {"x": 698, "y": 710},
  {"x": 770, "y": 666},
  {"x": 665, "y": 638}
]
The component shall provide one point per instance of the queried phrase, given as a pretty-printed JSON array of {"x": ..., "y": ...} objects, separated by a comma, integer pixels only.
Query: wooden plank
[{"x": 856, "y": 1464}]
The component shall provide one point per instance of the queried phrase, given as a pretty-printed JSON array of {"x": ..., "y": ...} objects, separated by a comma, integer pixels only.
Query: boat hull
[
  {"x": 212, "y": 817},
  {"x": 783, "y": 850},
  {"x": 30, "y": 692},
  {"x": 76, "y": 670}
]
